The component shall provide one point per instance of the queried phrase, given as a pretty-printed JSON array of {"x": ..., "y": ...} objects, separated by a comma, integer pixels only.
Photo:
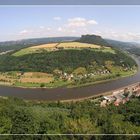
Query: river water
[{"x": 69, "y": 93}]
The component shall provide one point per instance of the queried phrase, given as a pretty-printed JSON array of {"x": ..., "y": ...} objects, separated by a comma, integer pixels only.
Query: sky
[{"x": 114, "y": 22}]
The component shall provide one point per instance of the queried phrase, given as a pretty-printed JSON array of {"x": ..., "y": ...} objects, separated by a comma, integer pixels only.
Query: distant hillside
[
  {"x": 131, "y": 47},
  {"x": 19, "y": 44},
  {"x": 44, "y": 60},
  {"x": 122, "y": 45},
  {"x": 93, "y": 39}
]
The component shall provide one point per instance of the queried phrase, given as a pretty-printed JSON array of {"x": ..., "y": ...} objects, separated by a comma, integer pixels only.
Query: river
[{"x": 69, "y": 93}]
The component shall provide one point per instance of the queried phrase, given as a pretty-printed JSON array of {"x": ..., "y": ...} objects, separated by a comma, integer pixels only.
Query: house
[
  {"x": 71, "y": 75},
  {"x": 118, "y": 102},
  {"x": 119, "y": 94},
  {"x": 103, "y": 103},
  {"x": 110, "y": 98},
  {"x": 125, "y": 100},
  {"x": 65, "y": 74},
  {"x": 85, "y": 75},
  {"x": 137, "y": 93}
]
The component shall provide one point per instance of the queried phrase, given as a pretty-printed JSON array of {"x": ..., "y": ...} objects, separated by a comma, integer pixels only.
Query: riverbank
[
  {"x": 67, "y": 94},
  {"x": 101, "y": 94},
  {"x": 93, "y": 97},
  {"x": 66, "y": 84}
]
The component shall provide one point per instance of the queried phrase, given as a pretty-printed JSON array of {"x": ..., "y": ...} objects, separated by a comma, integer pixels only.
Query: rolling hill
[
  {"x": 60, "y": 46},
  {"x": 76, "y": 62},
  {"x": 93, "y": 39}
]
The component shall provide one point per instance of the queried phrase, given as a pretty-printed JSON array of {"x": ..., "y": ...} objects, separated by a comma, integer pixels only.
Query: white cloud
[
  {"x": 76, "y": 22},
  {"x": 66, "y": 31},
  {"x": 76, "y": 27},
  {"x": 48, "y": 28},
  {"x": 92, "y": 22},
  {"x": 80, "y": 22},
  {"x": 125, "y": 36},
  {"x": 60, "y": 29},
  {"x": 119, "y": 35},
  {"x": 41, "y": 27},
  {"x": 135, "y": 36},
  {"x": 57, "y": 18},
  {"x": 24, "y": 32},
  {"x": 71, "y": 27}
]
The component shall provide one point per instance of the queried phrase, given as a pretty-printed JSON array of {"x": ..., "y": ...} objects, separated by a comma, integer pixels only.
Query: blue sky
[{"x": 115, "y": 22}]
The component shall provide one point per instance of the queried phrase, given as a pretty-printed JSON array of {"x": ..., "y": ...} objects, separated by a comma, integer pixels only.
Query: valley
[
  {"x": 64, "y": 64},
  {"x": 69, "y": 72}
]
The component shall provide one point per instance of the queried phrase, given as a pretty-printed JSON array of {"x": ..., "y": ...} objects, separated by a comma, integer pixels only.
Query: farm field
[
  {"x": 28, "y": 78},
  {"x": 35, "y": 49},
  {"x": 78, "y": 45},
  {"x": 58, "y": 46}
]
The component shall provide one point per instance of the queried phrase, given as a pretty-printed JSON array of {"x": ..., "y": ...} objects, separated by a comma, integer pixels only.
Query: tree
[
  {"x": 57, "y": 72},
  {"x": 42, "y": 85},
  {"x": 81, "y": 126},
  {"x": 24, "y": 121},
  {"x": 5, "y": 125},
  {"x": 80, "y": 71}
]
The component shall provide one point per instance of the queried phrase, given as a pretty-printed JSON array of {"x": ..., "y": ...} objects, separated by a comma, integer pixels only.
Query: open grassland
[
  {"x": 36, "y": 49},
  {"x": 50, "y": 45},
  {"x": 78, "y": 45},
  {"x": 26, "y": 51},
  {"x": 64, "y": 45}
]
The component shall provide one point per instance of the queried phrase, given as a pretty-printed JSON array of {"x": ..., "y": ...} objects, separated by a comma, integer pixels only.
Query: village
[
  {"x": 121, "y": 96},
  {"x": 81, "y": 73}
]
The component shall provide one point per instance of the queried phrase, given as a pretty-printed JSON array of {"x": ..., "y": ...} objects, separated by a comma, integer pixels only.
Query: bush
[{"x": 42, "y": 85}]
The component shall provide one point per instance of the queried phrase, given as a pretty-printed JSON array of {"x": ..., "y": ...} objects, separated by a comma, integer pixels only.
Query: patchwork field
[
  {"x": 78, "y": 45},
  {"x": 27, "y": 77},
  {"x": 45, "y": 46},
  {"x": 36, "y": 77},
  {"x": 58, "y": 46},
  {"x": 36, "y": 49}
]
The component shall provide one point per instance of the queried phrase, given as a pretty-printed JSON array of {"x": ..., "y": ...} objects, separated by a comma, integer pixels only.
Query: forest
[
  {"x": 135, "y": 51},
  {"x": 81, "y": 117},
  {"x": 65, "y": 60},
  {"x": 93, "y": 39}
]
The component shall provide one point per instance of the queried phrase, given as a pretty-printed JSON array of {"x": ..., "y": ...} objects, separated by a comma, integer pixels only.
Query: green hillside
[
  {"x": 66, "y": 64},
  {"x": 93, "y": 39},
  {"x": 20, "y": 117},
  {"x": 65, "y": 60}
]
